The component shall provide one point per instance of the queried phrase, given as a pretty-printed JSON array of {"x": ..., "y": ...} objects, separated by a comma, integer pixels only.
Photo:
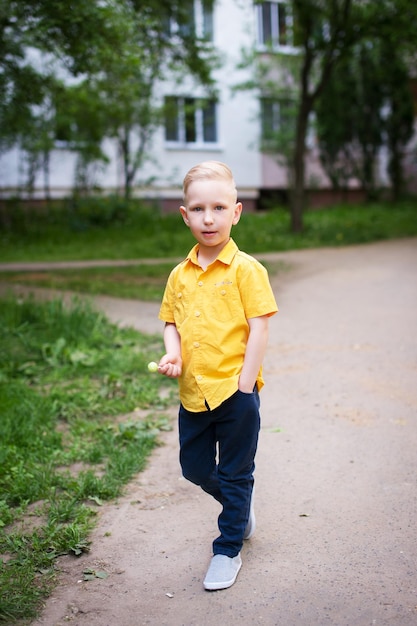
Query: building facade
[{"x": 228, "y": 127}]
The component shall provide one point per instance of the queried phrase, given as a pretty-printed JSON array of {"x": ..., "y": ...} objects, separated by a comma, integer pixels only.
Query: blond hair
[{"x": 208, "y": 170}]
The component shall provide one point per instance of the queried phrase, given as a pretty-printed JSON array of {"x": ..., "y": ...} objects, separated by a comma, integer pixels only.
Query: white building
[{"x": 228, "y": 129}]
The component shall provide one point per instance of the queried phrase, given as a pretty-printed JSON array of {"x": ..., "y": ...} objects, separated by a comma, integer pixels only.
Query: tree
[
  {"x": 21, "y": 86},
  {"x": 79, "y": 124},
  {"x": 325, "y": 32},
  {"x": 335, "y": 126},
  {"x": 399, "y": 123},
  {"x": 38, "y": 40},
  {"x": 366, "y": 104},
  {"x": 358, "y": 116},
  {"x": 116, "y": 50},
  {"x": 322, "y": 33},
  {"x": 396, "y": 27},
  {"x": 128, "y": 83},
  {"x": 127, "y": 90}
]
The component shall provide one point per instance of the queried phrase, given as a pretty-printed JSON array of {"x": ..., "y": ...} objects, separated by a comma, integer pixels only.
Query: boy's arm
[
  {"x": 171, "y": 363},
  {"x": 255, "y": 352}
]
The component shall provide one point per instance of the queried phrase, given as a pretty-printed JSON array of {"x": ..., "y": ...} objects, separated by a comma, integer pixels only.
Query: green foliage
[
  {"x": 75, "y": 36},
  {"x": 144, "y": 233},
  {"x": 77, "y": 213},
  {"x": 366, "y": 102},
  {"x": 117, "y": 51},
  {"x": 145, "y": 281},
  {"x": 335, "y": 226},
  {"x": 324, "y": 33},
  {"x": 148, "y": 234},
  {"x": 64, "y": 372},
  {"x": 84, "y": 213}
]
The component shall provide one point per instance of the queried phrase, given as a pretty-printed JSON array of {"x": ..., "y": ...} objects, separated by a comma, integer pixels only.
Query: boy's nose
[{"x": 208, "y": 217}]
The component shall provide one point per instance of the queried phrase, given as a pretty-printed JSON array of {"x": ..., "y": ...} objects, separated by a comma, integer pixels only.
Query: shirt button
[
  {"x": 196, "y": 344},
  {"x": 223, "y": 292},
  {"x": 199, "y": 377},
  {"x": 197, "y": 313},
  {"x": 200, "y": 283},
  {"x": 180, "y": 295}
]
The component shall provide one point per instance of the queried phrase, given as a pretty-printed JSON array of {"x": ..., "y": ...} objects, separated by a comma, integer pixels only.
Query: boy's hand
[{"x": 170, "y": 365}]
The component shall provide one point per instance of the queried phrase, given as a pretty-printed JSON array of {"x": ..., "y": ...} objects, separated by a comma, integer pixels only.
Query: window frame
[
  {"x": 273, "y": 114},
  {"x": 201, "y": 25},
  {"x": 274, "y": 44},
  {"x": 191, "y": 118},
  {"x": 278, "y": 114}
]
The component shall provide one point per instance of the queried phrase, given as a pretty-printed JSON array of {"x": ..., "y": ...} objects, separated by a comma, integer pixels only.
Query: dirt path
[{"x": 336, "y": 501}]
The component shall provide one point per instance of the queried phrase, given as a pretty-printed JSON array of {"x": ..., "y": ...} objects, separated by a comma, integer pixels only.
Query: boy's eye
[
  {"x": 219, "y": 208},
  {"x": 196, "y": 208}
]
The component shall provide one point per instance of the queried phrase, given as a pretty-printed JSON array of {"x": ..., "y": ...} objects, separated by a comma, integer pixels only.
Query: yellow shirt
[{"x": 210, "y": 310}]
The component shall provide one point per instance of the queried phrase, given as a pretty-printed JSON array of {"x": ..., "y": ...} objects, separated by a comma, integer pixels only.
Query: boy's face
[{"x": 210, "y": 211}]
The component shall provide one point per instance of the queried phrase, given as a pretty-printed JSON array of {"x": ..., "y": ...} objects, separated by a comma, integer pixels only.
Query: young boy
[{"x": 216, "y": 308}]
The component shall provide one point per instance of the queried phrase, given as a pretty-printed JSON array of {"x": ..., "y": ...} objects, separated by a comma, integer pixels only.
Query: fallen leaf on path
[{"x": 91, "y": 574}]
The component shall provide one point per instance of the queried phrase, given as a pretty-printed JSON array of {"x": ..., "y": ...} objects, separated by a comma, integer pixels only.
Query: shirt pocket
[
  {"x": 180, "y": 307},
  {"x": 225, "y": 303}
]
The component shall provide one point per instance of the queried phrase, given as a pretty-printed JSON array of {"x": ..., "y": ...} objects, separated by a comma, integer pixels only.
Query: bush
[{"x": 97, "y": 211}]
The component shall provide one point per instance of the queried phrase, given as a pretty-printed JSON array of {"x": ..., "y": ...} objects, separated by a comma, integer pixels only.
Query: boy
[{"x": 216, "y": 308}]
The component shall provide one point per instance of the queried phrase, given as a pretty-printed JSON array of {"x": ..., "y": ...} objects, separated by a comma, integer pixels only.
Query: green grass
[
  {"x": 55, "y": 235},
  {"x": 66, "y": 377},
  {"x": 141, "y": 282},
  {"x": 145, "y": 233}
]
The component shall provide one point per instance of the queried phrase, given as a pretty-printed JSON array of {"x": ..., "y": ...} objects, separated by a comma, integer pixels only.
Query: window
[
  {"x": 207, "y": 20},
  {"x": 269, "y": 118},
  {"x": 203, "y": 19},
  {"x": 275, "y": 24},
  {"x": 277, "y": 118},
  {"x": 198, "y": 20},
  {"x": 190, "y": 121},
  {"x": 278, "y": 124}
]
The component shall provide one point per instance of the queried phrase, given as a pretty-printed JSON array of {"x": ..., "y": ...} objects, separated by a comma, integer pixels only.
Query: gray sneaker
[
  {"x": 222, "y": 572},
  {"x": 250, "y": 527}
]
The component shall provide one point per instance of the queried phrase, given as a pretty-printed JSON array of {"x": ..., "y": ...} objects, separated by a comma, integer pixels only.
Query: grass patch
[
  {"x": 145, "y": 233},
  {"x": 79, "y": 416},
  {"x": 141, "y": 282},
  {"x": 148, "y": 234}
]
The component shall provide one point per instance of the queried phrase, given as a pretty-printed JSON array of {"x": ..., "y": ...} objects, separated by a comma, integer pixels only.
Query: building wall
[
  {"x": 238, "y": 123},
  {"x": 237, "y": 130},
  {"x": 235, "y": 27}
]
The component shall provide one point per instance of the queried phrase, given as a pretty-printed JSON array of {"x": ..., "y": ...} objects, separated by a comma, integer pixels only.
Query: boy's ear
[
  {"x": 237, "y": 213},
  {"x": 183, "y": 212}
]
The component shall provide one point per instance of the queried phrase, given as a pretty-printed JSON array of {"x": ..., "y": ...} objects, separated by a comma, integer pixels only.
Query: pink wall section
[{"x": 274, "y": 176}]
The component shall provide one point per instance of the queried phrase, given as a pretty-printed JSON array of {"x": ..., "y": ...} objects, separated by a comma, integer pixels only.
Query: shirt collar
[{"x": 225, "y": 256}]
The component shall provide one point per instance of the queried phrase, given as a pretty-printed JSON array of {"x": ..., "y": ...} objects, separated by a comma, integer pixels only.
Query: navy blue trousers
[{"x": 217, "y": 452}]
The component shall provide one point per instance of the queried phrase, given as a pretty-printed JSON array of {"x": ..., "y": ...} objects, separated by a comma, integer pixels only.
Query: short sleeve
[
  {"x": 166, "y": 311},
  {"x": 255, "y": 289}
]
